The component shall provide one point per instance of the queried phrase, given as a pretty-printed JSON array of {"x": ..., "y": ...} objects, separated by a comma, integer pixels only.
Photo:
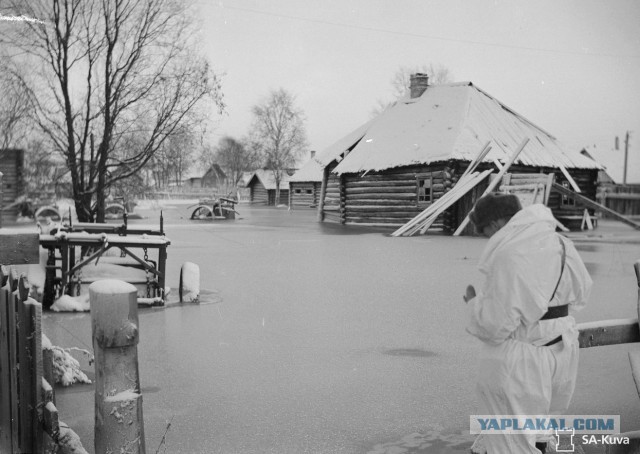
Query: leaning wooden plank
[
  {"x": 6, "y": 394},
  {"x": 634, "y": 359},
  {"x": 416, "y": 223},
  {"x": 19, "y": 248},
  {"x": 478, "y": 159},
  {"x": 596, "y": 206},
  {"x": 547, "y": 188},
  {"x": 608, "y": 332},
  {"x": 457, "y": 196},
  {"x": 433, "y": 207},
  {"x": 571, "y": 181},
  {"x": 495, "y": 182}
]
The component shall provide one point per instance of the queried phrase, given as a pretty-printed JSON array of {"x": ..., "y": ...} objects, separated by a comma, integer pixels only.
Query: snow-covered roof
[
  {"x": 267, "y": 179},
  {"x": 311, "y": 171},
  {"x": 613, "y": 162},
  {"x": 450, "y": 121}
]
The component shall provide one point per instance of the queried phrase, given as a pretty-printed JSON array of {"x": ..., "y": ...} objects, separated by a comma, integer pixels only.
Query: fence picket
[
  {"x": 5, "y": 365},
  {"x": 12, "y": 283}
]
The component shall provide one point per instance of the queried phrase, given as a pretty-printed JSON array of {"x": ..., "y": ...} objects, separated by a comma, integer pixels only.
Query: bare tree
[
  {"x": 106, "y": 70},
  {"x": 438, "y": 74},
  {"x": 234, "y": 156},
  {"x": 14, "y": 108},
  {"x": 278, "y": 133}
]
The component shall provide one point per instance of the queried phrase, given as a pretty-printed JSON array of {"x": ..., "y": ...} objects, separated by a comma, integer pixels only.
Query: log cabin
[
  {"x": 304, "y": 185},
  {"x": 394, "y": 166},
  {"x": 262, "y": 187}
]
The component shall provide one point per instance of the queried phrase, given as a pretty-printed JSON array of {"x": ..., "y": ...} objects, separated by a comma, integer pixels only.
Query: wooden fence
[
  {"x": 28, "y": 416},
  {"x": 624, "y": 199}
]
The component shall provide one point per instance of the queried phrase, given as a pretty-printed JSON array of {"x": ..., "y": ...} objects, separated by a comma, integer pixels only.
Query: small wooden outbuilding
[
  {"x": 305, "y": 184},
  {"x": 214, "y": 177},
  {"x": 262, "y": 187},
  {"x": 393, "y": 167}
]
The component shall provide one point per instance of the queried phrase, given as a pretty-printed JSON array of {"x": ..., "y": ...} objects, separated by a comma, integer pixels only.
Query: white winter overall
[{"x": 528, "y": 365}]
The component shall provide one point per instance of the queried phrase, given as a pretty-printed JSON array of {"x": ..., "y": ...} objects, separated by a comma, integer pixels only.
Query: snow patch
[
  {"x": 67, "y": 303},
  {"x": 66, "y": 369},
  {"x": 122, "y": 396},
  {"x": 112, "y": 287}
]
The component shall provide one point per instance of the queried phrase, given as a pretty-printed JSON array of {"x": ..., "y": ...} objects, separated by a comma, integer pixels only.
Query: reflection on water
[
  {"x": 587, "y": 247},
  {"x": 411, "y": 352},
  {"x": 593, "y": 268},
  {"x": 430, "y": 441},
  {"x": 204, "y": 298}
]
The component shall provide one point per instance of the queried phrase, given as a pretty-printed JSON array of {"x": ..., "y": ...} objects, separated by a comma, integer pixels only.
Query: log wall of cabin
[
  {"x": 382, "y": 199},
  {"x": 304, "y": 194},
  {"x": 389, "y": 198},
  {"x": 259, "y": 193}
]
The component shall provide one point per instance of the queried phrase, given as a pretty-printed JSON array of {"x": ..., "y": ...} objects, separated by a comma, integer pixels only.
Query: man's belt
[{"x": 556, "y": 312}]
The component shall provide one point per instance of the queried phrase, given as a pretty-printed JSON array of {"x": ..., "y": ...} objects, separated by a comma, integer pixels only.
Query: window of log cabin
[
  {"x": 298, "y": 191},
  {"x": 309, "y": 191},
  {"x": 566, "y": 201},
  {"x": 424, "y": 188}
]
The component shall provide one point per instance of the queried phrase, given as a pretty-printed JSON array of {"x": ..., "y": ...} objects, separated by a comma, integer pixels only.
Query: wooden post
[
  {"x": 323, "y": 193},
  {"x": 119, "y": 425}
]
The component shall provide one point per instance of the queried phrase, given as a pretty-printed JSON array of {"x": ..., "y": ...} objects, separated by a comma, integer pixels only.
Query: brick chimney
[{"x": 418, "y": 84}]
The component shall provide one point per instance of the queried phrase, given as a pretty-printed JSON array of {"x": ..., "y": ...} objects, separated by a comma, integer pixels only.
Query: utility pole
[{"x": 626, "y": 157}]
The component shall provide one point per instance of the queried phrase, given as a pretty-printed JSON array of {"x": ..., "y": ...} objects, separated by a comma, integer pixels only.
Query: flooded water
[{"x": 323, "y": 338}]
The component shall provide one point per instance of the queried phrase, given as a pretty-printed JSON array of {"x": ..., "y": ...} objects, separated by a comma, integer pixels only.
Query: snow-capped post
[
  {"x": 119, "y": 425},
  {"x": 189, "y": 288}
]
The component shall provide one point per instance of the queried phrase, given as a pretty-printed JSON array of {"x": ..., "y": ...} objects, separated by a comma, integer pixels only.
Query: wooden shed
[
  {"x": 262, "y": 187},
  {"x": 12, "y": 168},
  {"x": 305, "y": 184},
  {"x": 393, "y": 167},
  {"x": 214, "y": 177}
]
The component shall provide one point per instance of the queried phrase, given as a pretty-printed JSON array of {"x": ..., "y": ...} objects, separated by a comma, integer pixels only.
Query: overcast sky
[{"x": 571, "y": 67}]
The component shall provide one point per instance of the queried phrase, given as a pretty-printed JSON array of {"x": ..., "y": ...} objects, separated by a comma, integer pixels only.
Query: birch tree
[
  {"x": 103, "y": 70},
  {"x": 278, "y": 133}
]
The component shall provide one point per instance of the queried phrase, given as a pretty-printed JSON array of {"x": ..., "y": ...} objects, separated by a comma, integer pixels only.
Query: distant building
[
  {"x": 262, "y": 187},
  {"x": 305, "y": 184}
]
